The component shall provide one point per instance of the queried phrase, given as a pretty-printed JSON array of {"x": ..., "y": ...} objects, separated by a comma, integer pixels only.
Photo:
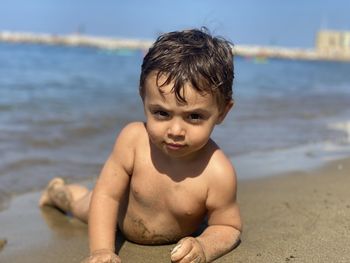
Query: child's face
[{"x": 179, "y": 130}]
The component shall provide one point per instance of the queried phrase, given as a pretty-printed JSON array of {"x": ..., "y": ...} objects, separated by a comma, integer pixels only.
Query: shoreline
[
  {"x": 249, "y": 51},
  {"x": 297, "y": 217}
]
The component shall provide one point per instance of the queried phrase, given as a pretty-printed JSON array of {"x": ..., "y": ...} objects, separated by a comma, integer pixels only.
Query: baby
[{"x": 166, "y": 176}]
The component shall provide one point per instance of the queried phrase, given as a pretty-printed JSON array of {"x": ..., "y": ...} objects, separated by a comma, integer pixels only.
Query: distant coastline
[{"x": 249, "y": 51}]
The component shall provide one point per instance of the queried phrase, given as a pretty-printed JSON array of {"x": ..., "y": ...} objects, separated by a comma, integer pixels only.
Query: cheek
[
  {"x": 201, "y": 135},
  {"x": 155, "y": 131}
]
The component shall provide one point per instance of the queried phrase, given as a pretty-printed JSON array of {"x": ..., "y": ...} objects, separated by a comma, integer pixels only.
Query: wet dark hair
[{"x": 191, "y": 56}]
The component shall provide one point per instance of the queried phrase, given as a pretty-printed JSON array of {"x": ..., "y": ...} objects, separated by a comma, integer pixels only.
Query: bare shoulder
[
  {"x": 221, "y": 179},
  {"x": 220, "y": 169},
  {"x": 127, "y": 142},
  {"x": 133, "y": 130},
  {"x": 130, "y": 134}
]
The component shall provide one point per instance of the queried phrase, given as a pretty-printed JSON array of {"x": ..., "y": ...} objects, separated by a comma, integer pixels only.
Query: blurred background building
[{"x": 333, "y": 43}]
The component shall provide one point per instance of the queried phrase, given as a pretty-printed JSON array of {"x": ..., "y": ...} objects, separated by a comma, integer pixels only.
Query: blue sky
[{"x": 290, "y": 23}]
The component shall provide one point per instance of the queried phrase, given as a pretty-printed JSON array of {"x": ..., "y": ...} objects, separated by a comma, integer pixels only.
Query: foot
[{"x": 56, "y": 194}]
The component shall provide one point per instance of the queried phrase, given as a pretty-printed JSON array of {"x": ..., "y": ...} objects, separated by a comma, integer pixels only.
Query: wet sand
[{"x": 299, "y": 217}]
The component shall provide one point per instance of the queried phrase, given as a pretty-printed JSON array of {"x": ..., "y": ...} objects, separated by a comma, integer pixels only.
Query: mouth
[{"x": 174, "y": 146}]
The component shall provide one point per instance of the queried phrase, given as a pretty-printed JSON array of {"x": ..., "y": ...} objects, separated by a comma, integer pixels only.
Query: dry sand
[{"x": 299, "y": 217}]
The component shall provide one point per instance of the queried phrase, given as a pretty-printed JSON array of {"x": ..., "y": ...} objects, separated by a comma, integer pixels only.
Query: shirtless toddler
[{"x": 165, "y": 176}]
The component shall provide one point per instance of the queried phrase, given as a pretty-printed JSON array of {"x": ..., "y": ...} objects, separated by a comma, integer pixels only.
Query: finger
[
  {"x": 183, "y": 247},
  {"x": 116, "y": 259},
  {"x": 102, "y": 259},
  {"x": 190, "y": 258},
  {"x": 109, "y": 259}
]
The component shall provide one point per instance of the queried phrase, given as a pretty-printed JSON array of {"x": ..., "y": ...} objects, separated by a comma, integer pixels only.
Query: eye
[
  {"x": 160, "y": 114},
  {"x": 195, "y": 118}
]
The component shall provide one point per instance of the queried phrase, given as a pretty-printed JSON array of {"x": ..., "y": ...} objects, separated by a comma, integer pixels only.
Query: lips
[{"x": 174, "y": 146}]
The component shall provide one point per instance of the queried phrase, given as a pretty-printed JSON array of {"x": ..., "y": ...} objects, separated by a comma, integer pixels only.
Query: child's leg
[{"x": 71, "y": 198}]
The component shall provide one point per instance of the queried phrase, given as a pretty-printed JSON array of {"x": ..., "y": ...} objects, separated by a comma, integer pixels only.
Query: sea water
[{"x": 61, "y": 109}]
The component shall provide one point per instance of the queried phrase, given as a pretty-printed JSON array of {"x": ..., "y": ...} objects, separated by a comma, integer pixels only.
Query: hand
[
  {"x": 188, "y": 250},
  {"x": 102, "y": 256}
]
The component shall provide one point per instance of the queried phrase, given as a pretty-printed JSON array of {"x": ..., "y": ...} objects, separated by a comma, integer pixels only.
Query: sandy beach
[{"x": 302, "y": 216}]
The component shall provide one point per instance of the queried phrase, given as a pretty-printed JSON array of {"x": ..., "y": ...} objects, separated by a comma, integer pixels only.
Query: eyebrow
[{"x": 200, "y": 110}]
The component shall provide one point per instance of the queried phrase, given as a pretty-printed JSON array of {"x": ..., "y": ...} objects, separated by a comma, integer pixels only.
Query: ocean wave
[
  {"x": 343, "y": 126},
  {"x": 45, "y": 142},
  {"x": 95, "y": 126},
  {"x": 298, "y": 158},
  {"x": 26, "y": 163},
  {"x": 85, "y": 130}
]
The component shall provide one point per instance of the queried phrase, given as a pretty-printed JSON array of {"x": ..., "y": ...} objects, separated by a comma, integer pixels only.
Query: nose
[{"x": 176, "y": 129}]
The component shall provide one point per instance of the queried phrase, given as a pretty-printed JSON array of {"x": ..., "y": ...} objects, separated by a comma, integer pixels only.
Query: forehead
[{"x": 165, "y": 94}]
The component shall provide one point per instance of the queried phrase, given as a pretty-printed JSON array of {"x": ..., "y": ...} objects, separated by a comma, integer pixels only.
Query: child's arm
[
  {"x": 108, "y": 192},
  {"x": 224, "y": 223}
]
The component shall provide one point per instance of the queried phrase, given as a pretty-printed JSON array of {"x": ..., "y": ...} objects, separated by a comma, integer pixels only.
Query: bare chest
[{"x": 181, "y": 196}]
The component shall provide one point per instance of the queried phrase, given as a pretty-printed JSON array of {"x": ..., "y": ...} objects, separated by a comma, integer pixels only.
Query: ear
[{"x": 224, "y": 111}]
